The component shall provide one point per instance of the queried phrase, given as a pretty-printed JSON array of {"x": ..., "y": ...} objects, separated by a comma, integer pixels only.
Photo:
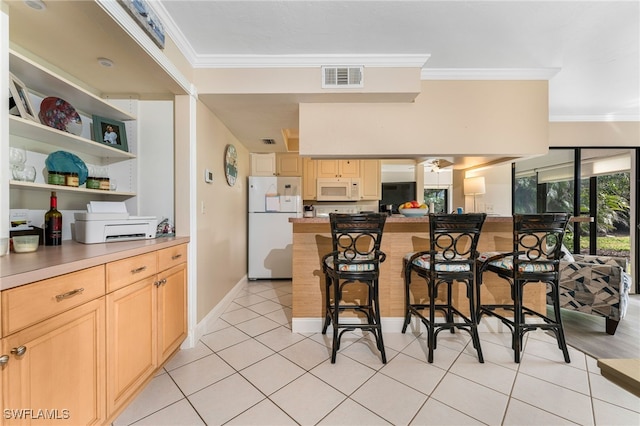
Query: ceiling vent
[
  {"x": 344, "y": 77},
  {"x": 268, "y": 141}
]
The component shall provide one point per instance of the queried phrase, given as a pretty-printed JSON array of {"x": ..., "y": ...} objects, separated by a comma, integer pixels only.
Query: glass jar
[
  {"x": 71, "y": 179},
  {"x": 104, "y": 184},
  {"x": 55, "y": 178},
  {"x": 93, "y": 182}
]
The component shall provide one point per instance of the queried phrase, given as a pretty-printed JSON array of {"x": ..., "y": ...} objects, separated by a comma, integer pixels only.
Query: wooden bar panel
[{"x": 312, "y": 240}]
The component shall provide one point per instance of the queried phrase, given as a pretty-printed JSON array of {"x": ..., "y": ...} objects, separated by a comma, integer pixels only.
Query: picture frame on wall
[
  {"x": 146, "y": 19},
  {"x": 110, "y": 132},
  {"x": 20, "y": 96}
]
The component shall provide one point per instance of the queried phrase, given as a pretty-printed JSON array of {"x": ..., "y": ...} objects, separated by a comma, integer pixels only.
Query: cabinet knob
[
  {"x": 4, "y": 359},
  {"x": 19, "y": 351}
]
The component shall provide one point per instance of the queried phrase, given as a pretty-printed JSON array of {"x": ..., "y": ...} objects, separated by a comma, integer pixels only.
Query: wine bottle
[{"x": 53, "y": 223}]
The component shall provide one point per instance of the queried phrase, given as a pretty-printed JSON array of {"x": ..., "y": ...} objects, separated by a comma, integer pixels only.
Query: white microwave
[{"x": 338, "y": 189}]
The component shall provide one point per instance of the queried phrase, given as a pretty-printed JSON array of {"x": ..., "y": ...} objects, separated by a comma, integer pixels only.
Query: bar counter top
[
  {"x": 397, "y": 218},
  {"x": 23, "y": 268}
]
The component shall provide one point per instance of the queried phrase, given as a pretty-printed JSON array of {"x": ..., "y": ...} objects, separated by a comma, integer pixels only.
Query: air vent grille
[
  {"x": 268, "y": 141},
  {"x": 346, "y": 77}
]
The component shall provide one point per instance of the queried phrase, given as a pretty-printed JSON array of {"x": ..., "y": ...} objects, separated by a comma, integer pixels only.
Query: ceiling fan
[{"x": 436, "y": 164}]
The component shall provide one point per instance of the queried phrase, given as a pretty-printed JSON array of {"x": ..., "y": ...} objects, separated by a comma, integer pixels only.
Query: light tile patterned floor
[{"x": 251, "y": 370}]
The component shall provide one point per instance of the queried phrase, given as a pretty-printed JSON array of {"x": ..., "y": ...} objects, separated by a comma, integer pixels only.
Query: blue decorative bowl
[{"x": 414, "y": 212}]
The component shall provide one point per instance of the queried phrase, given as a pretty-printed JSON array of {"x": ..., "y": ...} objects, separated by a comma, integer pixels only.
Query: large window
[{"x": 439, "y": 197}]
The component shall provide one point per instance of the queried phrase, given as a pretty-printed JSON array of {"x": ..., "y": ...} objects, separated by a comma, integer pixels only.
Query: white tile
[
  {"x": 272, "y": 373},
  {"x": 606, "y": 390},
  {"x": 264, "y": 413},
  {"x": 239, "y": 315},
  {"x": 224, "y": 338},
  {"x": 284, "y": 299},
  {"x": 265, "y": 307},
  {"x": 282, "y": 316},
  {"x": 549, "y": 349},
  {"x": 256, "y": 287},
  {"x": 496, "y": 353},
  {"x": 225, "y": 399},
  {"x": 233, "y": 306},
  {"x": 217, "y": 325},
  {"x": 179, "y": 413},
  {"x": 610, "y": 414},
  {"x": 307, "y": 399},
  {"x": 185, "y": 356},
  {"x": 563, "y": 402},
  {"x": 279, "y": 338},
  {"x": 350, "y": 413},
  {"x": 391, "y": 400},
  {"x": 248, "y": 300},
  {"x": 364, "y": 350},
  {"x": 201, "y": 373},
  {"x": 557, "y": 372},
  {"x": 438, "y": 414},
  {"x": 398, "y": 341},
  {"x": 443, "y": 357},
  {"x": 418, "y": 374},
  {"x": 519, "y": 413},
  {"x": 257, "y": 326},
  {"x": 592, "y": 365},
  {"x": 245, "y": 353},
  {"x": 159, "y": 393},
  {"x": 306, "y": 353},
  {"x": 472, "y": 399},
  {"x": 456, "y": 341},
  {"x": 491, "y": 375},
  {"x": 346, "y": 375}
]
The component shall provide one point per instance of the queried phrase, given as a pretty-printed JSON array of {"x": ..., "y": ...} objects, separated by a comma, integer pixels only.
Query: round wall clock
[{"x": 231, "y": 164}]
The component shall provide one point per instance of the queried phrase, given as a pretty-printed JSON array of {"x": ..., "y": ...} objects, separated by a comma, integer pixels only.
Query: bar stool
[
  {"x": 355, "y": 258},
  {"x": 537, "y": 244},
  {"x": 453, "y": 246}
]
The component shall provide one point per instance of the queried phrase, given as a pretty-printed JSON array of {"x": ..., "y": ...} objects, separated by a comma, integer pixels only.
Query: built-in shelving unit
[{"x": 15, "y": 184}]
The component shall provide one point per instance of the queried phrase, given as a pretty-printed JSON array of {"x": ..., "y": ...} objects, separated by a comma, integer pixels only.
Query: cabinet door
[
  {"x": 61, "y": 373},
  {"x": 370, "y": 180},
  {"x": 288, "y": 164},
  {"x": 131, "y": 348},
  {"x": 309, "y": 179},
  {"x": 349, "y": 168},
  {"x": 172, "y": 310},
  {"x": 263, "y": 164},
  {"x": 328, "y": 168}
]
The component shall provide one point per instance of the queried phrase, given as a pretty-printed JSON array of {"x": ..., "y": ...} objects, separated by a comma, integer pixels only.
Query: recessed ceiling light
[
  {"x": 35, "y": 4},
  {"x": 105, "y": 62}
]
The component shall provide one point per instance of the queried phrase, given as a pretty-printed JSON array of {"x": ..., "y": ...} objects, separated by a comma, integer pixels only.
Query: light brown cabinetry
[
  {"x": 288, "y": 164},
  {"x": 146, "y": 320},
  {"x": 338, "y": 168},
  {"x": 370, "y": 180},
  {"x": 55, "y": 350},
  {"x": 263, "y": 164},
  {"x": 309, "y": 188}
]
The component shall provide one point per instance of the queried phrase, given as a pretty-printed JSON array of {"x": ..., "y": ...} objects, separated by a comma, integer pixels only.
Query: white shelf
[
  {"x": 51, "y": 139},
  {"x": 41, "y": 80},
  {"x": 15, "y": 184}
]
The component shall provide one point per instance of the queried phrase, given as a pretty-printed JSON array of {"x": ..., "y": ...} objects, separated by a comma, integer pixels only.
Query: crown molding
[
  {"x": 488, "y": 73},
  {"x": 593, "y": 118}
]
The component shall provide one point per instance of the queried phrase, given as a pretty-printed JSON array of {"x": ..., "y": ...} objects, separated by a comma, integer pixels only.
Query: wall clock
[{"x": 231, "y": 164}]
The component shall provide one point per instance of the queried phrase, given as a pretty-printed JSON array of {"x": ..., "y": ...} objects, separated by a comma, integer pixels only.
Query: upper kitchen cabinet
[
  {"x": 309, "y": 188},
  {"x": 370, "y": 180},
  {"x": 263, "y": 164},
  {"x": 288, "y": 164},
  {"x": 338, "y": 168}
]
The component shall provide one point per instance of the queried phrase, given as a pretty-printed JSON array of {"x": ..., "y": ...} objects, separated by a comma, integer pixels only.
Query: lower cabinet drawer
[
  {"x": 30, "y": 304},
  {"x": 127, "y": 271},
  {"x": 172, "y": 256}
]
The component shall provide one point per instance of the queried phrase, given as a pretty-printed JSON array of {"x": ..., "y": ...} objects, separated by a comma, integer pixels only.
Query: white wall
[{"x": 497, "y": 199}]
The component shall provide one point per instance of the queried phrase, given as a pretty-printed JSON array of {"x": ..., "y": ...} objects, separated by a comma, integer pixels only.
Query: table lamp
[{"x": 474, "y": 186}]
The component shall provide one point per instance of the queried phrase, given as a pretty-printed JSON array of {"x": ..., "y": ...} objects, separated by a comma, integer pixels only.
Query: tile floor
[{"x": 251, "y": 370}]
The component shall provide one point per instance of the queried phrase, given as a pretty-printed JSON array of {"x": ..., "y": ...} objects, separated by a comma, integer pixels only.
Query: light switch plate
[{"x": 208, "y": 176}]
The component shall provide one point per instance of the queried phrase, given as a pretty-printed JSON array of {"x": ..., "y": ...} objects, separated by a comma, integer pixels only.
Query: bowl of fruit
[{"x": 413, "y": 209}]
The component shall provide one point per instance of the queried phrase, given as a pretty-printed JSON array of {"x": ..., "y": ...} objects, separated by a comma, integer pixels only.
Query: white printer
[{"x": 106, "y": 221}]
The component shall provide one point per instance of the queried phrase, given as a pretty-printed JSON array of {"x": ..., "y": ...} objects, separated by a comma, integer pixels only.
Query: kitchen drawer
[
  {"x": 28, "y": 304},
  {"x": 172, "y": 256},
  {"x": 126, "y": 271}
]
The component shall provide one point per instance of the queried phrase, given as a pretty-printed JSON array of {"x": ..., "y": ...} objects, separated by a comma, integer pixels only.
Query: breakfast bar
[{"x": 312, "y": 240}]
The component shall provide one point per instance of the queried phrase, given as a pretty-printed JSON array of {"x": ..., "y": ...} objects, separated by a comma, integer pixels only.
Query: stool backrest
[
  {"x": 356, "y": 239},
  {"x": 537, "y": 239},
  {"x": 454, "y": 239}
]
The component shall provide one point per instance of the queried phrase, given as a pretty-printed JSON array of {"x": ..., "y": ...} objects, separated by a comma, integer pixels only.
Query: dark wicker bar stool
[
  {"x": 355, "y": 258},
  {"x": 537, "y": 244},
  {"x": 453, "y": 242}
]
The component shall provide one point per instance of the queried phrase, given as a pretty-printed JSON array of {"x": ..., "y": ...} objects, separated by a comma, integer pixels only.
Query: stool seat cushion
[
  {"x": 525, "y": 265},
  {"x": 352, "y": 267},
  {"x": 424, "y": 262}
]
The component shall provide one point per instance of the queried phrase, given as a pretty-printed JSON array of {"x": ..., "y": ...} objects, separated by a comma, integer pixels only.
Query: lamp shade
[{"x": 474, "y": 185}]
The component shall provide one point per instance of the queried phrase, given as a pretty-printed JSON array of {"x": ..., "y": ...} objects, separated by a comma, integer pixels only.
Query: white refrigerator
[{"x": 272, "y": 201}]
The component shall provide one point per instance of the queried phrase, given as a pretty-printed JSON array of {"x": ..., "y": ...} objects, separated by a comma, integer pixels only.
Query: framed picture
[
  {"x": 110, "y": 132},
  {"x": 146, "y": 19},
  {"x": 20, "y": 97}
]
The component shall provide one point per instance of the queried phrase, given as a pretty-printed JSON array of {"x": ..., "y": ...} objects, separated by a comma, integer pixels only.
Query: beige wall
[
  {"x": 449, "y": 117},
  {"x": 221, "y": 229},
  {"x": 601, "y": 134}
]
